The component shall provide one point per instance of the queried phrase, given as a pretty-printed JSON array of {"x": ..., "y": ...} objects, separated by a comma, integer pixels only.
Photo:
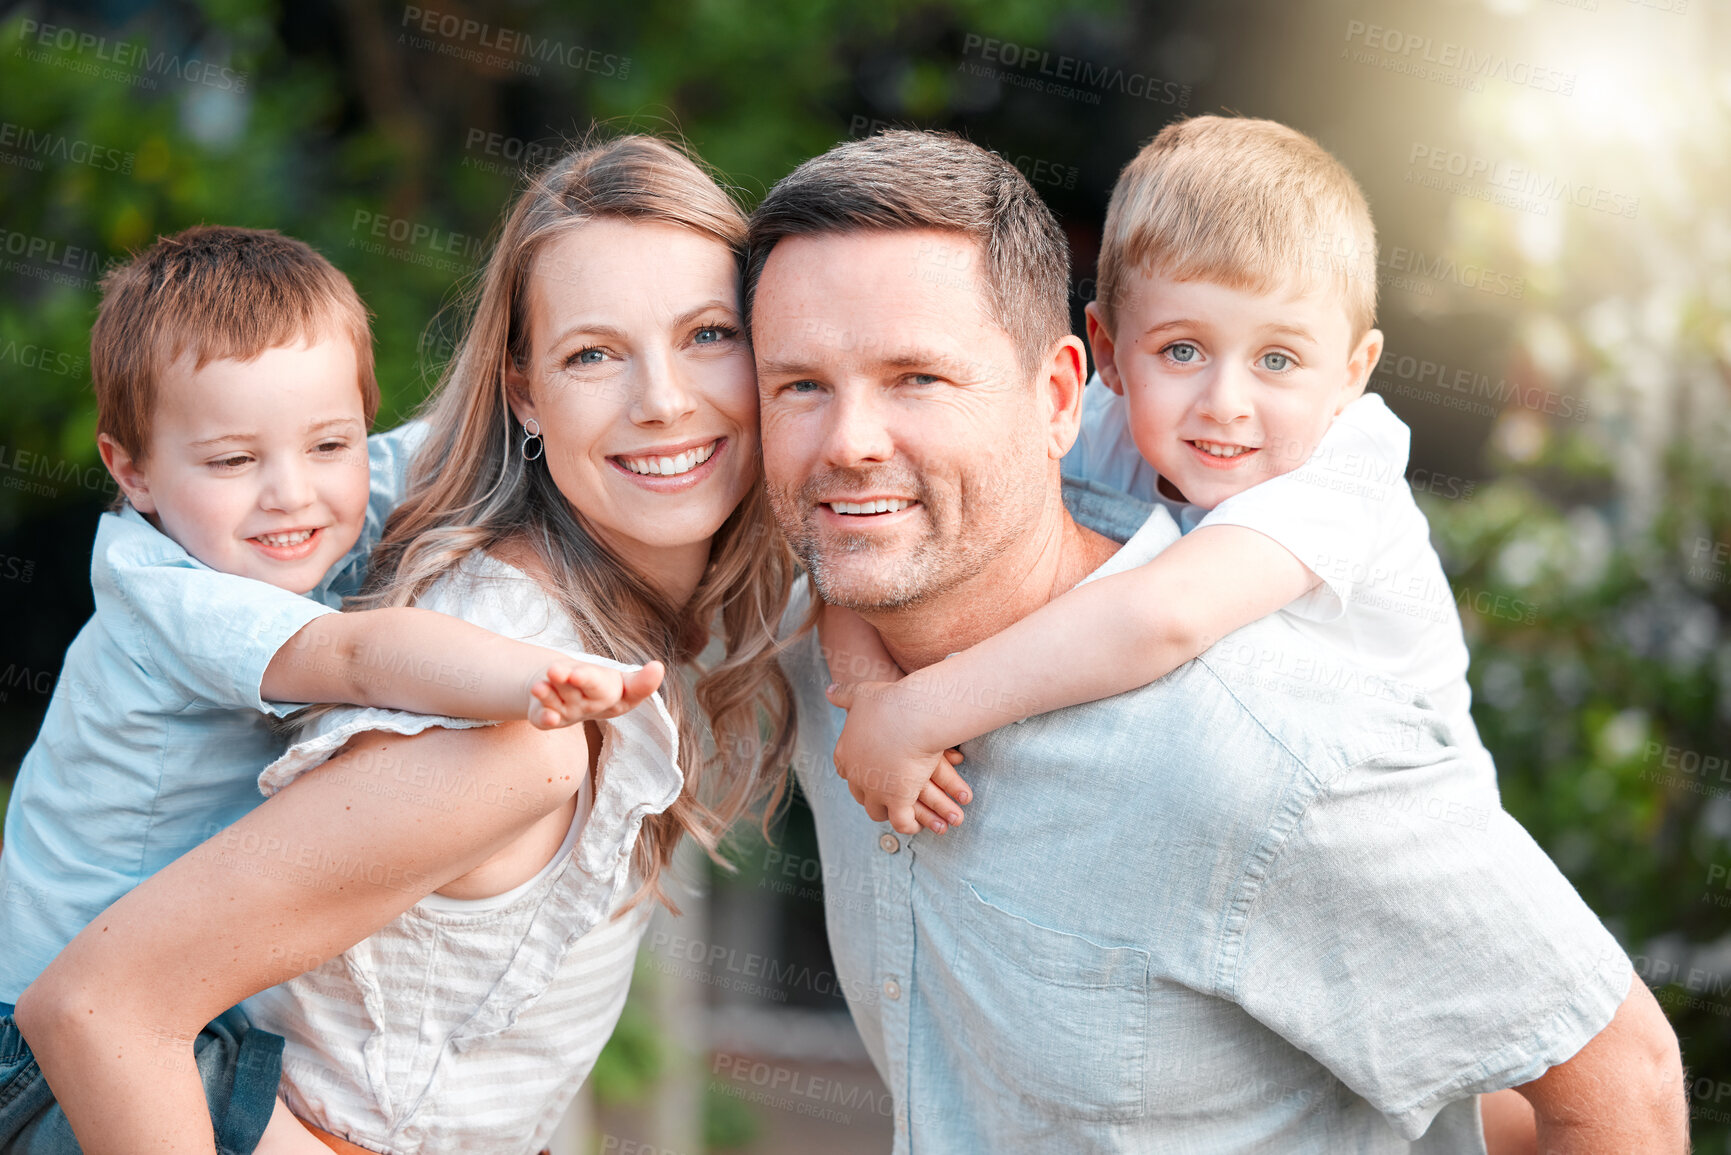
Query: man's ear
[
  {"x": 1105, "y": 349},
  {"x": 1360, "y": 366},
  {"x": 1064, "y": 375},
  {"x": 128, "y": 473}
]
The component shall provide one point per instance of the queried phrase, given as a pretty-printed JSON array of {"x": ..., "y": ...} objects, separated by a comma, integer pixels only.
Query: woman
[{"x": 466, "y": 902}]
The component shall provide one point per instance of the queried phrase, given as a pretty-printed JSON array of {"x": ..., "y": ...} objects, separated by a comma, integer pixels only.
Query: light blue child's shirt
[{"x": 156, "y": 732}]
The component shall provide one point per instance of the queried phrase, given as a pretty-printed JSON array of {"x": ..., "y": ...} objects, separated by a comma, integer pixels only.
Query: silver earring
[{"x": 532, "y": 436}]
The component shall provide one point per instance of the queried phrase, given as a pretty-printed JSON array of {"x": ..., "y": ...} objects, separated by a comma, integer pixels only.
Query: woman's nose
[{"x": 663, "y": 396}]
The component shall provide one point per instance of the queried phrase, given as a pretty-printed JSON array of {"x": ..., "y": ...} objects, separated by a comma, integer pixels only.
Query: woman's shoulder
[{"x": 505, "y": 596}]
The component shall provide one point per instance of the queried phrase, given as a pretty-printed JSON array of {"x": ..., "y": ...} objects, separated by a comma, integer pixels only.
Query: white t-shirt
[
  {"x": 470, "y": 1024},
  {"x": 1349, "y": 515}
]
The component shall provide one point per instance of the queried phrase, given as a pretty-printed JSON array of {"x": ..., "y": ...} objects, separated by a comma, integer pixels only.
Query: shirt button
[
  {"x": 892, "y": 989},
  {"x": 889, "y": 844}
]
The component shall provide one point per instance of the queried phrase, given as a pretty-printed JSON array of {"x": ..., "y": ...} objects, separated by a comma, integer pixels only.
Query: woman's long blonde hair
[{"x": 471, "y": 489}]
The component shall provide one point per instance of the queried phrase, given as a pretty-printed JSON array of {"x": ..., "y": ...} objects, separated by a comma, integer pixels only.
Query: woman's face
[{"x": 641, "y": 379}]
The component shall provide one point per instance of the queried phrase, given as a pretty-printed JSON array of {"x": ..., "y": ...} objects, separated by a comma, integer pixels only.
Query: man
[{"x": 1213, "y": 914}]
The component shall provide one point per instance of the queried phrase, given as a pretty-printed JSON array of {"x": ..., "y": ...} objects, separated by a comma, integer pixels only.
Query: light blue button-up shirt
[
  {"x": 1258, "y": 905},
  {"x": 156, "y": 731}
]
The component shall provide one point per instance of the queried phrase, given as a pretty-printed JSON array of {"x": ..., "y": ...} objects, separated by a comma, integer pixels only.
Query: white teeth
[
  {"x": 1216, "y": 450},
  {"x": 282, "y": 539},
  {"x": 670, "y": 466},
  {"x": 881, "y": 505}
]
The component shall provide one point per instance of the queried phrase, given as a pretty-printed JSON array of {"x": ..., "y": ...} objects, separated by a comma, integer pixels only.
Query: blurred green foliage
[{"x": 345, "y": 124}]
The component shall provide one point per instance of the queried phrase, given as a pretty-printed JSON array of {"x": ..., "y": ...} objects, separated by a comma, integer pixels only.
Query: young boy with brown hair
[{"x": 234, "y": 382}]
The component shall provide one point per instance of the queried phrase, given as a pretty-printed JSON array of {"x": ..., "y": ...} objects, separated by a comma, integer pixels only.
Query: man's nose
[{"x": 857, "y": 430}]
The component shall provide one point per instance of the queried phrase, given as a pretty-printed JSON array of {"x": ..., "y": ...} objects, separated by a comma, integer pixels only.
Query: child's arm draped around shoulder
[
  {"x": 856, "y": 654},
  {"x": 1121, "y": 632},
  {"x": 1102, "y": 638},
  {"x": 403, "y": 658},
  {"x": 1335, "y": 511}
]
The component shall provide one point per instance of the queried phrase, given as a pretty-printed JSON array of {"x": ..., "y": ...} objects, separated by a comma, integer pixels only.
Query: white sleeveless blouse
[{"x": 469, "y": 1025}]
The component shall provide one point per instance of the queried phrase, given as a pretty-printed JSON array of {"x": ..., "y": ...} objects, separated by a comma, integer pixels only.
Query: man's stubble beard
[{"x": 955, "y": 547}]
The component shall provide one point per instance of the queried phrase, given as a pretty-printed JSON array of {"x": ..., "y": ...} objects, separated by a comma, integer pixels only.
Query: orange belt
[
  {"x": 336, "y": 1142},
  {"x": 341, "y": 1145}
]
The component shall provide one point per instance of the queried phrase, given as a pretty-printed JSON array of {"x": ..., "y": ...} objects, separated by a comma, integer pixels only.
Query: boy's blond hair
[
  {"x": 214, "y": 293},
  {"x": 1246, "y": 203}
]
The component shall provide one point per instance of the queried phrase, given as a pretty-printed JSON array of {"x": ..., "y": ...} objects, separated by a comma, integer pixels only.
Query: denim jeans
[{"x": 238, "y": 1064}]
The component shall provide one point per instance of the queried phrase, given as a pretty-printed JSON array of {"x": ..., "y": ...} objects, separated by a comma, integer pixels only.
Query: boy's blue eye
[
  {"x": 1276, "y": 362},
  {"x": 1182, "y": 352}
]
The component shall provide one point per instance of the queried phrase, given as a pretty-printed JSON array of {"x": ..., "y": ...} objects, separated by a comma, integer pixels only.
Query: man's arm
[
  {"x": 112, "y": 1019},
  {"x": 1622, "y": 1092},
  {"x": 1474, "y": 964}
]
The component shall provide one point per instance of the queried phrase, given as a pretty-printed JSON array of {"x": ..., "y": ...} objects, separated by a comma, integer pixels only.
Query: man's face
[{"x": 904, "y": 445}]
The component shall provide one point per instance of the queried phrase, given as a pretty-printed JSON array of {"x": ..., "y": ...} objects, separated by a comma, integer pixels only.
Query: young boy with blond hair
[
  {"x": 1233, "y": 335},
  {"x": 234, "y": 383}
]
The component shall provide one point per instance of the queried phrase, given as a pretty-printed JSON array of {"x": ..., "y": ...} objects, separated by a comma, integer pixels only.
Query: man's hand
[
  {"x": 888, "y": 769},
  {"x": 569, "y": 692}
]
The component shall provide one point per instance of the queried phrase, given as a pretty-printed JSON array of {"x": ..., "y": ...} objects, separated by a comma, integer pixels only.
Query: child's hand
[
  {"x": 572, "y": 691},
  {"x": 888, "y": 768}
]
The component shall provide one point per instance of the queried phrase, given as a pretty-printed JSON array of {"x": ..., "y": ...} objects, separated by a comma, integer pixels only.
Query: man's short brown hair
[
  {"x": 1251, "y": 204},
  {"x": 214, "y": 293},
  {"x": 902, "y": 180}
]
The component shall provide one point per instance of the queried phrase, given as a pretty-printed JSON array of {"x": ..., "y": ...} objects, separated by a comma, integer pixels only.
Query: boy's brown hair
[
  {"x": 1246, "y": 203},
  {"x": 214, "y": 293}
]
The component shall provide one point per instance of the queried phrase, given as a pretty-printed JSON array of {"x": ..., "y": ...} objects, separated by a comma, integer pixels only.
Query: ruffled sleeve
[{"x": 498, "y": 597}]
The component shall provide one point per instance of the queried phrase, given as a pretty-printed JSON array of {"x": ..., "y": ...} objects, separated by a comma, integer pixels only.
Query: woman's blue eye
[
  {"x": 588, "y": 357},
  {"x": 1182, "y": 352},
  {"x": 1276, "y": 362},
  {"x": 710, "y": 334}
]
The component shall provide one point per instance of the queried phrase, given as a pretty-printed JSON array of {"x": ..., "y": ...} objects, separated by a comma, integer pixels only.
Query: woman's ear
[
  {"x": 127, "y": 473},
  {"x": 517, "y": 394}
]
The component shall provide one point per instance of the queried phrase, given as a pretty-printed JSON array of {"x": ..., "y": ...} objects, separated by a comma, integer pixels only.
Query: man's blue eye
[{"x": 803, "y": 386}]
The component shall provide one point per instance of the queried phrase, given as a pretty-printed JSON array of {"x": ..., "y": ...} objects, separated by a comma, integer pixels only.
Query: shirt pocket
[{"x": 1062, "y": 1020}]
